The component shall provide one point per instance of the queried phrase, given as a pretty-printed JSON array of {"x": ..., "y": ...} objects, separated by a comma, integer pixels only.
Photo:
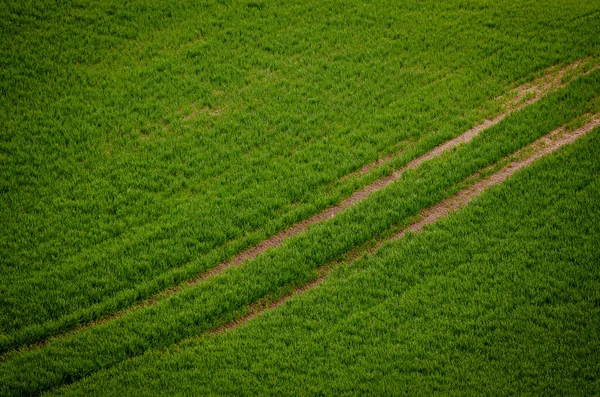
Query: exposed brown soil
[
  {"x": 537, "y": 149},
  {"x": 536, "y": 89},
  {"x": 540, "y": 87}
]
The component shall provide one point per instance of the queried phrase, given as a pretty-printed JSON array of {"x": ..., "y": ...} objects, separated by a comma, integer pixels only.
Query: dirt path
[
  {"x": 520, "y": 97},
  {"x": 541, "y": 147},
  {"x": 517, "y": 99}
]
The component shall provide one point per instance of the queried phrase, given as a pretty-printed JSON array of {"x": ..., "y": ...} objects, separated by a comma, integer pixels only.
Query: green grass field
[
  {"x": 143, "y": 143},
  {"x": 501, "y": 298}
]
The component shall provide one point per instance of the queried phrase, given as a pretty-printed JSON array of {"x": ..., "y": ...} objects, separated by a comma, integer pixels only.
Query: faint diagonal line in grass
[
  {"x": 519, "y": 98},
  {"x": 526, "y": 156}
]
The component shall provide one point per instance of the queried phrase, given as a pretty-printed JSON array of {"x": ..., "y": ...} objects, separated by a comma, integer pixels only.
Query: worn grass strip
[
  {"x": 541, "y": 147},
  {"x": 519, "y": 98},
  {"x": 223, "y": 298}
]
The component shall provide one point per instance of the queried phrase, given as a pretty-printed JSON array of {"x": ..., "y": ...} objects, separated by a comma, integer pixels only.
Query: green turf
[
  {"x": 222, "y": 298},
  {"x": 142, "y": 142},
  {"x": 501, "y": 298}
]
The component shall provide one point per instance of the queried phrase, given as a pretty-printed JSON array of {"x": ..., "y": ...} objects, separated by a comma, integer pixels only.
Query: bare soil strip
[
  {"x": 541, "y": 147},
  {"x": 520, "y": 98},
  {"x": 517, "y": 99}
]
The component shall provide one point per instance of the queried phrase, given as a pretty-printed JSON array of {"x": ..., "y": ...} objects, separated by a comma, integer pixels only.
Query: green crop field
[
  {"x": 144, "y": 143},
  {"x": 502, "y": 298}
]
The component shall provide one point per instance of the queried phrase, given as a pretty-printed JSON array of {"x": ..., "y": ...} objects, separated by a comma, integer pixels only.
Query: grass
[
  {"x": 143, "y": 142},
  {"x": 500, "y": 298},
  {"x": 220, "y": 299}
]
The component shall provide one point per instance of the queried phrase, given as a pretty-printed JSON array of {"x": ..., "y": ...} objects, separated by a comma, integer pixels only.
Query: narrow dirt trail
[
  {"x": 541, "y": 147},
  {"x": 537, "y": 89},
  {"x": 515, "y": 100}
]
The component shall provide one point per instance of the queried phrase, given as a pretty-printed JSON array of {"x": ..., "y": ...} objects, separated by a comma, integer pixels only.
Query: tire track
[
  {"x": 537, "y": 89},
  {"x": 541, "y": 147},
  {"x": 519, "y": 98},
  {"x": 526, "y": 156}
]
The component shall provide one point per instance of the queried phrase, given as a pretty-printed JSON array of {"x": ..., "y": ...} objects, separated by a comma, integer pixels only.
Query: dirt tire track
[
  {"x": 541, "y": 147},
  {"x": 538, "y": 88}
]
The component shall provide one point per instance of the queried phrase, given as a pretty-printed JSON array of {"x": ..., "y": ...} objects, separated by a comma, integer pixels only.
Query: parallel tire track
[
  {"x": 541, "y": 147},
  {"x": 525, "y": 156},
  {"x": 520, "y": 98}
]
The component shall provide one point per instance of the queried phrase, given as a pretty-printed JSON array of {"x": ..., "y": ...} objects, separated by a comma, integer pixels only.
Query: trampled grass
[
  {"x": 144, "y": 142},
  {"x": 499, "y": 298},
  {"x": 221, "y": 299}
]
